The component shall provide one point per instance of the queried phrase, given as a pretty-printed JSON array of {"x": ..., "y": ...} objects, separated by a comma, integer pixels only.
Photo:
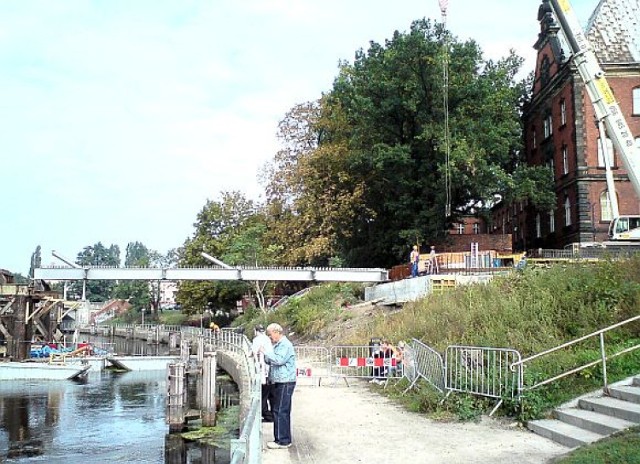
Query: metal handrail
[{"x": 602, "y": 360}]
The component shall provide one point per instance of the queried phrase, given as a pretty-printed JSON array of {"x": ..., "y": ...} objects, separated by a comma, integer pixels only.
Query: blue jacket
[{"x": 282, "y": 361}]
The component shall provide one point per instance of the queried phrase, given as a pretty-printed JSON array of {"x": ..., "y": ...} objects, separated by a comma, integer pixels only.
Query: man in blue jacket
[{"x": 282, "y": 377}]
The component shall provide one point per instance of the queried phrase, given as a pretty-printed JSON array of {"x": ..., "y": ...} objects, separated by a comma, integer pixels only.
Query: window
[
  {"x": 563, "y": 112},
  {"x": 609, "y": 153},
  {"x": 460, "y": 228},
  {"x": 476, "y": 228},
  {"x": 538, "y": 226},
  {"x": 552, "y": 165},
  {"x": 565, "y": 160},
  {"x": 533, "y": 138},
  {"x": 636, "y": 101},
  {"x": 567, "y": 212},
  {"x": 552, "y": 222},
  {"x": 605, "y": 207},
  {"x": 547, "y": 126}
]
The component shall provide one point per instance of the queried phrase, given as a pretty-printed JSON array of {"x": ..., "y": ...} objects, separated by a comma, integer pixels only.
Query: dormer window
[{"x": 545, "y": 71}]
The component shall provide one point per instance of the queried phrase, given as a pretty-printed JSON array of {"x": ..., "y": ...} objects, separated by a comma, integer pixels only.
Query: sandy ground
[{"x": 341, "y": 424}]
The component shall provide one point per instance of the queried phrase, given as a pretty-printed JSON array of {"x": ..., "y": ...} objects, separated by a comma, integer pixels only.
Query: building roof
[{"x": 614, "y": 31}]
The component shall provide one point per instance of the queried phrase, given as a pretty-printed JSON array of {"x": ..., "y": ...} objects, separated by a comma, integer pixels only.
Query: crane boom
[{"x": 606, "y": 107}]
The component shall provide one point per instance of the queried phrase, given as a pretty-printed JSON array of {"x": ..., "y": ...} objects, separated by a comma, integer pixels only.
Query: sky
[{"x": 119, "y": 119}]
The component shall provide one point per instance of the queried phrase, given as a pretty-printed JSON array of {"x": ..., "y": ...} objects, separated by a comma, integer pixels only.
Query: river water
[{"x": 108, "y": 417}]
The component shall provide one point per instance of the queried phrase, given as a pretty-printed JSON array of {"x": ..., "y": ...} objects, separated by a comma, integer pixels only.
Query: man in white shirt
[{"x": 261, "y": 344}]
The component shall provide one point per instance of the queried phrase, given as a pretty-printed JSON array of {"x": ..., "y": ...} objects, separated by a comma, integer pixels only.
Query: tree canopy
[{"x": 361, "y": 173}]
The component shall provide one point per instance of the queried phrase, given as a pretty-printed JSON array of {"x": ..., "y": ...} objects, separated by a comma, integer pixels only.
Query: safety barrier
[
  {"x": 483, "y": 371},
  {"x": 312, "y": 364},
  {"x": 423, "y": 362},
  {"x": 361, "y": 362}
]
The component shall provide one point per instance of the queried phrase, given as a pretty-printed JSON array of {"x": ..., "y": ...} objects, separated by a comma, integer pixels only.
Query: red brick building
[{"x": 560, "y": 131}]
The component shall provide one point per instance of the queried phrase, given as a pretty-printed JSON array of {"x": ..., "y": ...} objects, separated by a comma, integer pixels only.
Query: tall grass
[{"x": 528, "y": 311}]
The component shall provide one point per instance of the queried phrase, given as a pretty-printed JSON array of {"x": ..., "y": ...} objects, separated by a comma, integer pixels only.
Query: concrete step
[
  {"x": 636, "y": 381},
  {"x": 563, "y": 433},
  {"x": 629, "y": 393},
  {"x": 592, "y": 421},
  {"x": 612, "y": 407}
]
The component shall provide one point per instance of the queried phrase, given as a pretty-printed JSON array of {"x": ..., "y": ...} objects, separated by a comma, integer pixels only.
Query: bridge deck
[{"x": 214, "y": 273}]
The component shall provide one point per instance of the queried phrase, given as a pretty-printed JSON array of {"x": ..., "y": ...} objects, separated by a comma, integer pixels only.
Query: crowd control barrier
[
  {"x": 483, "y": 371},
  {"x": 312, "y": 364}
]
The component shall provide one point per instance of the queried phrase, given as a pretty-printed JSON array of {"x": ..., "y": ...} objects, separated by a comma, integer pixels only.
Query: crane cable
[{"x": 445, "y": 84}]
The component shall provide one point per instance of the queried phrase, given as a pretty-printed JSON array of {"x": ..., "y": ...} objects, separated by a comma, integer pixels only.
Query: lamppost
[{"x": 143, "y": 315}]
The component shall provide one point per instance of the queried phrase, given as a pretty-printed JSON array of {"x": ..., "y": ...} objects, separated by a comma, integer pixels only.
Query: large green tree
[{"x": 362, "y": 172}]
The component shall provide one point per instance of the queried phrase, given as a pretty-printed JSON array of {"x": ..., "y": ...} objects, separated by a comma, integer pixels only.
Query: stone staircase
[{"x": 593, "y": 417}]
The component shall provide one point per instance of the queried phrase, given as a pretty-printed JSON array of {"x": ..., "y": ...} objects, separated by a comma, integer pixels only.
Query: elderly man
[{"x": 282, "y": 377}]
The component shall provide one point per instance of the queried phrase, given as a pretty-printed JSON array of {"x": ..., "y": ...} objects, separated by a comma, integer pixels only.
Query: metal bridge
[{"x": 308, "y": 274}]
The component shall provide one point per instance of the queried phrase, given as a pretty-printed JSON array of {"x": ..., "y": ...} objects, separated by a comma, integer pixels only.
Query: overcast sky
[{"x": 120, "y": 118}]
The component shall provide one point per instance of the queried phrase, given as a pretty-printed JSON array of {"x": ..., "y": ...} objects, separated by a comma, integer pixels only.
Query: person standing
[
  {"x": 433, "y": 261},
  {"x": 260, "y": 345},
  {"x": 282, "y": 375},
  {"x": 414, "y": 259}
]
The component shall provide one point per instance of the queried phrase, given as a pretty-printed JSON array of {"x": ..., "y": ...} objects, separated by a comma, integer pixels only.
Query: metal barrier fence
[
  {"x": 312, "y": 364},
  {"x": 423, "y": 362},
  {"x": 361, "y": 362},
  {"x": 483, "y": 371}
]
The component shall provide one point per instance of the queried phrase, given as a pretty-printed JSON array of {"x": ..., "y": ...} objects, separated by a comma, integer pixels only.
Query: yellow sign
[{"x": 605, "y": 91}]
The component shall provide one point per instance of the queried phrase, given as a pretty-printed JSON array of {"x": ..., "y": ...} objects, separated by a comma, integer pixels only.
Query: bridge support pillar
[
  {"x": 209, "y": 366},
  {"x": 176, "y": 396}
]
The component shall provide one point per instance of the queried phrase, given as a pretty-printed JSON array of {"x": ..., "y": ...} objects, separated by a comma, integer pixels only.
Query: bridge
[{"x": 308, "y": 274}]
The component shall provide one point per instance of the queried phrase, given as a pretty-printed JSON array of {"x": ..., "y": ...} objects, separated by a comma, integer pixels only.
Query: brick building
[{"x": 560, "y": 130}]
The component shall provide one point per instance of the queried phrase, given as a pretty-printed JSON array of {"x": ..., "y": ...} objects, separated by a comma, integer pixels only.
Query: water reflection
[{"x": 107, "y": 417}]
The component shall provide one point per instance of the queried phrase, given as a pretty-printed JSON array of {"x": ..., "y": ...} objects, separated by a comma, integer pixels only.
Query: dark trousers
[
  {"x": 267, "y": 402},
  {"x": 281, "y": 407}
]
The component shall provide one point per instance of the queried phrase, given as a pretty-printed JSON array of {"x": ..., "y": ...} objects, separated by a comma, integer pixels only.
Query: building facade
[{"x": 561, "y": 131}]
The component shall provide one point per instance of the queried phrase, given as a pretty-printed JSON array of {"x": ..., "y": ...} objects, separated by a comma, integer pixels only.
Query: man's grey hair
[{"x": 274, "y": 328}]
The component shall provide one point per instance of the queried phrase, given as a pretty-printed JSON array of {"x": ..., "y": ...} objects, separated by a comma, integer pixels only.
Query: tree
[
  {"x": 137, "y": 292},
  {"x": 36, "y": 261},
  {"x": 248, "y": 246},
  {"x": 361, "y": 175},
  {"x": 215, "y": 225},
  {"x": 93, "y": 256}
]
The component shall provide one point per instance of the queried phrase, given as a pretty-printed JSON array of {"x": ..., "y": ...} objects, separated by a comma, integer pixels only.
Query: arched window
[
  {"x": 567, "y": 211},
  {"x": 605, "y": 207}
]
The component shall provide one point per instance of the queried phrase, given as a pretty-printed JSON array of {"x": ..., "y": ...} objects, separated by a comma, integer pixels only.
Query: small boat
[
  {"x": 142, "y": 363},
  {"x": 13, "y": 370}
]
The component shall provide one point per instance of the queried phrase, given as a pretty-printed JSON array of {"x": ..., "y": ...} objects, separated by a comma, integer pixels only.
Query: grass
[
  {"x": 529, "y": 311},
  {"x": 620, "y": 448}
]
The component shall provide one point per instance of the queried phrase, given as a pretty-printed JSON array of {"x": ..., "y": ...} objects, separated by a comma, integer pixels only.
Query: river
[{"x": 106, "y": 417}]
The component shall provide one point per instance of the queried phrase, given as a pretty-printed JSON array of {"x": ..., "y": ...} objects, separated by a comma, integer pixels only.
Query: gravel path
[{"x": 340, "y": 424}]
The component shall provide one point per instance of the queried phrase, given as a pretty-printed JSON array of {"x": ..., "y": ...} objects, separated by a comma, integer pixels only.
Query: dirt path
[{"x": 356, "y": 425}]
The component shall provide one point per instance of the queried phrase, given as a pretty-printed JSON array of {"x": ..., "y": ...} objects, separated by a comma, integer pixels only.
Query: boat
[
  {"x": 29, "y": 370},
  {"x": 142, "y": 363}
]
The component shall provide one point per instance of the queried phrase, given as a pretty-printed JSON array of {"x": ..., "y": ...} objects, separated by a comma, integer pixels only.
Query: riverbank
[{"x": 355, "y": 424}]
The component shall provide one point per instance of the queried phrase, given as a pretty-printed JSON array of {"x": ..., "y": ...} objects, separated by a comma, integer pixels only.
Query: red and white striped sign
[{"x": 365, "y": 362}]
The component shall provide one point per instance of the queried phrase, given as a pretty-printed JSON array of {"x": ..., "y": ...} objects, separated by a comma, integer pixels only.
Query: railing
[
  {"x": 519, "y": 365},
  {"x": 247, "y": 449}
]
